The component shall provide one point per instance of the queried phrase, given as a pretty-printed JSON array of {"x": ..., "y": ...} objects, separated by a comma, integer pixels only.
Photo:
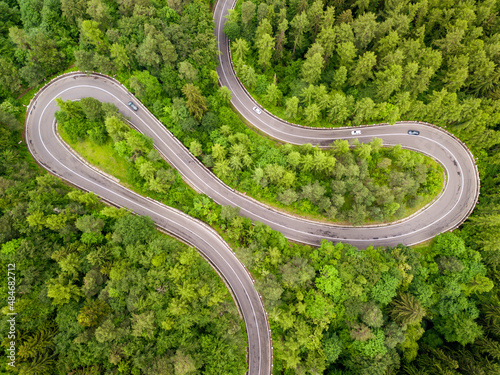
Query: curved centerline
[{"x": 302, "y": 133}]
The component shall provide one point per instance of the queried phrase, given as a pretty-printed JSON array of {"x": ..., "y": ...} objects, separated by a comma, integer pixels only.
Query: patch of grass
[
  {"x": 318, "y": 217},
  {"x": 103, "y": 156},
  {"x": 106, "y": 159},
  {"x": 422, "y": 245}
]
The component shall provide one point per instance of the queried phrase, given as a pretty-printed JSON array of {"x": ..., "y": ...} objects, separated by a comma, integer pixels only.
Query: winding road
[
  {"x": 447, "y": 212},
  {"x": 54, "y": 155}
]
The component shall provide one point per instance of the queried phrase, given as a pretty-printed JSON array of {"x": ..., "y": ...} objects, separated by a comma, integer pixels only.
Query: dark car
[
  {"x": 413, "y": 132},
  {"x": 133, "y": 106}
]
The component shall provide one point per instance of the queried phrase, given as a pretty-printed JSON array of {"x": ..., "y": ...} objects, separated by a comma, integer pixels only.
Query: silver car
[{"x": 132, "y": 105}]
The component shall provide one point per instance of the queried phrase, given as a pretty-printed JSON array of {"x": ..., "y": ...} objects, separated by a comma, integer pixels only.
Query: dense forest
[
  {"x": 432, "y": 309},
  {"x": 332, "y": 308},
  {"x": 358, "y": 62},
  {"x": 99, "y": 290}
]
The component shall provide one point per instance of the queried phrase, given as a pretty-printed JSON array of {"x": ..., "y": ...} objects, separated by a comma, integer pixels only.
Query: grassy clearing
[
  {"x": 103, "y": 156},
  {"x": 423, "y": 247}
]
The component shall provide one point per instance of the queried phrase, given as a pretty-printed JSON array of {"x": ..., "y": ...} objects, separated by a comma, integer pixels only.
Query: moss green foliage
[
  {"x": 332, "y": 308},
  {"x": 166, "y": 54},
  {"x": 335, "y": 307},
  {"x": 389, "y": 61},
  {"x": 121, "y": 151},
  {"x": 145, "y": 40},
  {"x": 356, "y": 185}
]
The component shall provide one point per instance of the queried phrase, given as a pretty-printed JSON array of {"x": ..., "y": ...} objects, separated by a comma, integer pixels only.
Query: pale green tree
[
  {"x": 195, "y": 148},
  {"x": 340, "y": 146},
  {"x": 264, "y": 28},
  {"x": 307, "y": 94},
  {"x": 62, "y": 292},
  {"x": 314, "y": 15},
  {"x": 388, "y": 81},
  {"x": 273, "y": 94},
  {"x": 322, "y": 98},
  {"x": 293, "y": 159},
  {"x": 91, "y": 34},
  {"x": 307, "y": 162},
  {"x": 143, "y": 325},
  {"x": 291, "y": 107},
  {"x": 248, "y": 76},
  {"x": 328, "y": 18},
  {"x": 218, "y": 152},
  {"x": 363, "y": 69},
  {"x": 339, "y": 109},
  {"x": 247, "y": 13},
  {"x": 457, "y": 72},
  {"x": 328, "y": 40},
  {"x": 222, "y": 168},
  {"x": 313, "y": 65},
  {"x": 239, "y": 49},
  {"x": 265, "y": 47},
  {"x": 346, "y": 53},
  {"x": 339, "y": 78},
  {"x": 365, "y": 28},
  {"x": 312, "y": 113},
  {"x": 196, "y": 102},
  {"x": 188, "y": 72}
]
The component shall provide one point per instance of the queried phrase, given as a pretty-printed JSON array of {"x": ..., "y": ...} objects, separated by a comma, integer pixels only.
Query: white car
[
  {"x": 356, "y": 132},
  {"x": 257, "y": 110}
]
